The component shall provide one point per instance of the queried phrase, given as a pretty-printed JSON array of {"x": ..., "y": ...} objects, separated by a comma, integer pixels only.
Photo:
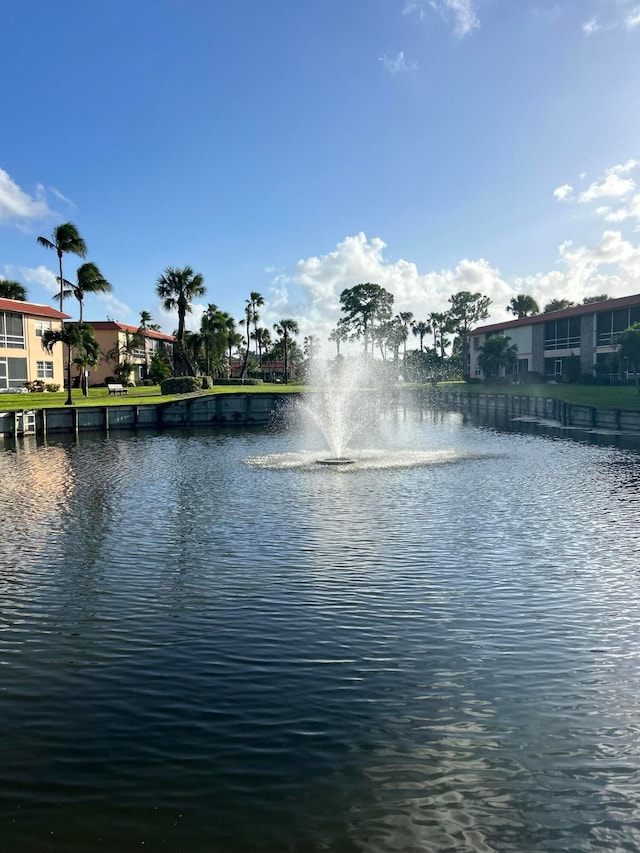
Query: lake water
[{"x": 209, "y": 643}]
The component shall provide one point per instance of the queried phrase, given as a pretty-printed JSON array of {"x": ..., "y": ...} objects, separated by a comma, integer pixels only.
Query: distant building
[
  {"x": 22, "y": 358},
  {"x": 270, "y": 371},
  {"x": 117, "y": 339},
  {"x": 545, "y": 341}
]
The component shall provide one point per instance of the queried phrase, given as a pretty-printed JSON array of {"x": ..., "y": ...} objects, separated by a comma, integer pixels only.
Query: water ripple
[{"x": 203, "y": 647}]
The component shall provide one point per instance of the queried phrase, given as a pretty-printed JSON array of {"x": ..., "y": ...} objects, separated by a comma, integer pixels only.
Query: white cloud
[
  {"x": 312, "y": 291},
  {"x": 15, "y": 204},
  {"x": 461, "y": 13},
  {"x": 633, "y": 18},
  {"x": 112, "y": 306},
  {"x": 62, "y": 198},
  {"x": 613, "y": 15},
  {"x": 612, "y": 249},
  {"x": 465, "y": 16},
  {"x": 616, "y": 183},
  {"x": 591, "y": 26},
  {"x": 398, "y": 64},
  {"x": 42, "y": 276},
  {"x": 564, "y": 192}
]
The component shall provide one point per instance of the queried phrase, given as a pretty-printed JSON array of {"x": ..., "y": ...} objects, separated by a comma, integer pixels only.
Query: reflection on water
[{"x": 202, "y": 653}]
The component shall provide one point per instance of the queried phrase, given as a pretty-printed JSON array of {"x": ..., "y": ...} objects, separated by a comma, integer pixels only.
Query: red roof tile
[
  {"x": 101, "y": 325},
  {"x": 19, "y": 307},
  {"x": 576, "y": 311}
]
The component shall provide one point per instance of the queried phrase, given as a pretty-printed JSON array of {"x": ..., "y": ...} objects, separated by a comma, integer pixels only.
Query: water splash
[{"x": 343, "y": 401}]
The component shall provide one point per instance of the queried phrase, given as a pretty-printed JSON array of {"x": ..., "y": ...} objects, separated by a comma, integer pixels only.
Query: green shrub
[
  {"x": 180, "y": 385},
  {"x": 52, "y": 386},
  {"x": 473, "y": 380},
  {"x": 159, "y": 367},
  {"x": 148, "y": 382},
  {"x": 572, "y": 370},
  {"x": 206, "y": 382}
]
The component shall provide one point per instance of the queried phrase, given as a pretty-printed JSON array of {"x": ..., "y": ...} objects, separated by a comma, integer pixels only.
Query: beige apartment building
[
  {"x": 118, "y": 341},
  {"x": 22, "y": 358}
]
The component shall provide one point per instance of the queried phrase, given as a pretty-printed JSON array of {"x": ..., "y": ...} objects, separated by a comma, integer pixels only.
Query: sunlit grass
[
  {"x": 600, "y": 396},
  {"x": 137, "y": 396}
]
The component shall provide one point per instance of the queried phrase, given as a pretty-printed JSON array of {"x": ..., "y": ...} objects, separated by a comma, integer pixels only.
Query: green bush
[
  {"x": 180, "y": 385},
  {"x": 52, "y": 386},
  {"x": 572, "y": 369},
  {"x": 206, "y": 382},
  {"x": 159, "y": 367},
  {"x": 473, "y": 380}
]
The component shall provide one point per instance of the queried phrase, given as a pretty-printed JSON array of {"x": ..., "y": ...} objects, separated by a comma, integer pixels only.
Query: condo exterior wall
[
  {"x": 114, "y": 337},
  {"x": 22, "y": 358},
  {"x": 545, "y": 341}
]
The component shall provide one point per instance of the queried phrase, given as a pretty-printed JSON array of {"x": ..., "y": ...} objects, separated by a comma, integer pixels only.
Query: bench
[{"x": 117, "y": 389}]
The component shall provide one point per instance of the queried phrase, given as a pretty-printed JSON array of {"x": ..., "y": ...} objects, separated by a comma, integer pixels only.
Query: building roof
[
  {"x": 576, "y": 311},
  {"x": 114, "y": 325},
  {"x": 19, "y": 307}
]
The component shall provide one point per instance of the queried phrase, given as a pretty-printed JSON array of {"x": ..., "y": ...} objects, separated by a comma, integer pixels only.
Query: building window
[
  {"x": 563, "y": 333},
  {"x": 44, "y": 369},
  {"x": 611, "y": 323},
  {"x": 42, "y": 326},
  {"x": 11, "y": 331},
  {"x": 553, "y": 367},
  {"x": 13, "y": 372},
  {"x": 476, "y": 343}
]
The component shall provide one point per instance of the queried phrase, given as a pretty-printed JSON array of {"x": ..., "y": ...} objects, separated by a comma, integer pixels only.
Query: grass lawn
[
  {"x": 602, "y": 396},
  {"x": 136, "y": 396}
]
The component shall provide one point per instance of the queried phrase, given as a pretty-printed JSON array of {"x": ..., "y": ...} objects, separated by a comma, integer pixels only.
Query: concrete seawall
[
  {"x": 253, "y": 409},
  {"x": 213, "y": 410},
  {"x": 523, "y": 407}
]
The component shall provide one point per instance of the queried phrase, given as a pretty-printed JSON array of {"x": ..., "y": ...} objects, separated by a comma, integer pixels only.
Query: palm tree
[
  {"x": 339, "y": 335},
  {"x": 66, "y": 239},
  {"x": 145, "y": 319},
  {"x": 12, "y": 290},
  {"x": 177, "y": 288},
  {"x": 523, "y": 305},
  {"x": 286, "y": 328},
  {"x": 89, "y": 279},
  {"x": 234, "y": 339},
  {"x": 79, "y": 337},
  {"x": 121, "y": 353},
  {"x": 406, "y": 320},
  {"x": 257, "y": 300},
  {"x": 497, "y": 352},
  {"x": 421, "y": 330},
  {"x": 558, "y": 305},
  {"x": 262, "y": 337},
  {"x": 254, "y": 301},
  {"x": 439, "y": 325}
]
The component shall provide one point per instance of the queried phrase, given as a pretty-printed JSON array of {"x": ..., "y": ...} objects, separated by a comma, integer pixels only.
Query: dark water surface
[{"x": 198, "y": 654}]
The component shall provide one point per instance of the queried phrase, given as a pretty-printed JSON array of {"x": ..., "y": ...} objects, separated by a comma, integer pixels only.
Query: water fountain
[
  {"x": 350, "y": 405},
  {"x": 341, "y": 403}
]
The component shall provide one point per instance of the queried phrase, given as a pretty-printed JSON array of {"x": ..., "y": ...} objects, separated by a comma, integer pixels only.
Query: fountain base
[{"x": 335, "y": 460}]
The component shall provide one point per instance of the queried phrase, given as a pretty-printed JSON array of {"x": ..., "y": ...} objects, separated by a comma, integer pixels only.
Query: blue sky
[{"x": 298, "y": 148}]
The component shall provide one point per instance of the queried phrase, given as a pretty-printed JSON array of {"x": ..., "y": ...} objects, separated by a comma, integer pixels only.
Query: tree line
[{"x": 367, "y": 317}]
